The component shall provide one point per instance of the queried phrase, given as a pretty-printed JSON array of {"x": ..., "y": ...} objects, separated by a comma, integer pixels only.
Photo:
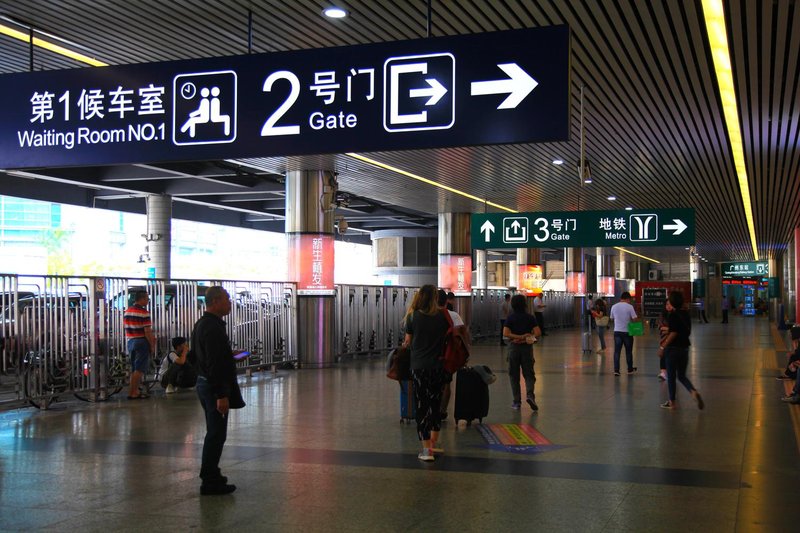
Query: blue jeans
[
  {"x": 677, "y": 360},
  {"x": 216, "y": 433},
  {"x": 601, "y": 334},
  {"x": 622, "y": 338},
  {"x": 139, "y": 352}
]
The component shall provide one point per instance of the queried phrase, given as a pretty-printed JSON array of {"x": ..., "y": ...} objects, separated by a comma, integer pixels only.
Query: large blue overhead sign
[{"x": 491, "y": 88}]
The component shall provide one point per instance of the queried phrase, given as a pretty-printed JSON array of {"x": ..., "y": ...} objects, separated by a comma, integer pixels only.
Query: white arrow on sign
[
  {"x": 435, "y": 91},
  {"x": 487, "y": 228},
  {"x": 678, "y": 226},
  {"x": 519, "y": 85}
]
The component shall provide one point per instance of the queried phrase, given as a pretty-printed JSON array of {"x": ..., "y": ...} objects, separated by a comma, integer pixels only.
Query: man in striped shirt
[{"x": 141, "y": 341}]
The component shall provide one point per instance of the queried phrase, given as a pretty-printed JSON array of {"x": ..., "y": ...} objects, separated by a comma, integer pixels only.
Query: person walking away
[
  {"x": 663, "y": 323},
  {"x": 600, "y": 315},
  {"x": 538, "y": 310},
  {"x": 623, "y": 313},
  {"x": 217, "y": 387},
  {"x": 141, "y": 342},
  {"x": 446, "y": 301},
  {"x": 726, "y": 305},
  {"x": 426, "y": 328},
  {"x": 675, "y": 349},
  {"x": 521, "y": 329},
  {"x": 701, "y": 306},
  {"x": 505, "y": 309}
]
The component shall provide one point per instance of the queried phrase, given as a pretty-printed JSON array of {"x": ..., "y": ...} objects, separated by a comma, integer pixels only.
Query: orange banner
[
  {"x": 530, "y": 279},
  {"x": 576, "y": 282},
  {"x": 311, "y": 263},
  {"x": 455, "y": 274}
]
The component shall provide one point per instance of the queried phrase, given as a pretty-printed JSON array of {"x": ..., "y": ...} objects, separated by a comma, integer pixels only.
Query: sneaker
[
  {"x": 171, "y": 389},
  {"x": 532, "y": 403},
  {"x": 515, "y": 406},
  {"x": 667, "y": 405},
  {"x": 662, "y": 376},
  {"x": 616, "y": 373},
  {"x": 791, "y": 398},
  {"x": 216, "y": 489},
  {"x": 783, "y": 377},
  {"x": 426, "y": 455},
  {"x": 632, "y": 371}
]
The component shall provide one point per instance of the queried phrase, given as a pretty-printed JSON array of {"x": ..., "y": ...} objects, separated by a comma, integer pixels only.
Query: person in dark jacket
[
  {"x": 674, "y": 348},
  {"x": 521, "y": 329},
  {"x": 217, "y": 387},
  {"x": 426, "y": 328}
]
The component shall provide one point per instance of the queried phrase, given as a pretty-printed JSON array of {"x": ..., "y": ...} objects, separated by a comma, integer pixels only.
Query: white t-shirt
[
  {"x": 536, "y": 303},
  {"x": 170, "y": 358},
  {"x": 505, "y": 309},
  {"x": 622, "y": 313}
]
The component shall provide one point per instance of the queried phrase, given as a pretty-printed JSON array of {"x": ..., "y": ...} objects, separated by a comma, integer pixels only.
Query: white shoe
[
  {"x": 171, "y": 389},
  {"x": 426, "y": 455}
]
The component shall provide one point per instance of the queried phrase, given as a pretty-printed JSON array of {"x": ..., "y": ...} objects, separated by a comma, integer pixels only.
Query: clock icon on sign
[{"x": 188, "y": 90}]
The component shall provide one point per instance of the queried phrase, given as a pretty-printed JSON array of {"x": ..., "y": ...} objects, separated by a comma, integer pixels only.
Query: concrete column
[
  {"x": 605, "y": 273},
  {"x": 623, "y": 274},
  {"x": 790, "y": 287},
  {"x": 482, "y": 269},
  {"x": 513, "y": 273},
  {"x": 775, "y": 271},
  {"x": 159, "y": 235},
  {"x": 309, "y": 228},
  {"x": 455, "y": 260}
]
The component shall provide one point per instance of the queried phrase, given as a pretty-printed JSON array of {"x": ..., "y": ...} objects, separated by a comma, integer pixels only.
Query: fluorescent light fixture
[
  {"x": 637, "y": 255},
  {"x": 612, "y": 198},
  {"x": 587, "y": 180},
  {"x": 558, "y": 161},
  {"x": 429, "y": 182},
  {"x": 714, "y": 15},
  {"x": 47, "y": 45},
  {"x": 334, "y": 12},
  {"x": 629, "y": 208}
]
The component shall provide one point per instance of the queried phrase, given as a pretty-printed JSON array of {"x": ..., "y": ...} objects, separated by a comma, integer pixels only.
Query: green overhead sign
[
  {"x": 734, "y": 270},
  {"x": 577, "y": 229}
]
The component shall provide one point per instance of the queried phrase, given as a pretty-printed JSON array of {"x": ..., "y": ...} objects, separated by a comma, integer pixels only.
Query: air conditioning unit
[{"x": 654, "y": 275}]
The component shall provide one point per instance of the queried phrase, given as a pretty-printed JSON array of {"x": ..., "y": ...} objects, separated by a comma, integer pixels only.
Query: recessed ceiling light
[
  {"x": 687, "y": 248},
  {"x": 587, "y": 180},
  {"x": 629, "y": 208},
  {"x": 612, "y": 198},
  {"x": 334, "y": 12},
  {"x": 558, "y": 162}
]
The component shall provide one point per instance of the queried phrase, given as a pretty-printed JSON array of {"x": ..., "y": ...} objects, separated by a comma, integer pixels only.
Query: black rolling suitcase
[{"x": 472, "y": 396}]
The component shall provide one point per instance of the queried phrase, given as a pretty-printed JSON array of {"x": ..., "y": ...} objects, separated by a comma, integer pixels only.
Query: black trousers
[
  {"x": 216, "y": 433},
  {"x": 540, "y": 320}
]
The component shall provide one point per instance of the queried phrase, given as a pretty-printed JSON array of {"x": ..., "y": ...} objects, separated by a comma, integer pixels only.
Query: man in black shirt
[{"x": 216, "y": 386}]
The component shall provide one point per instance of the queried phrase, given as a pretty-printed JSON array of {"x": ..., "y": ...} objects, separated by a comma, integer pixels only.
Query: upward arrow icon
[{"x": 487, "y": 229}]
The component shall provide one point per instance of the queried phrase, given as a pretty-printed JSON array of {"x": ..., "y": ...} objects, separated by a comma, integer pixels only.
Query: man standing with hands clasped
[{"x": 217, "y": 387}]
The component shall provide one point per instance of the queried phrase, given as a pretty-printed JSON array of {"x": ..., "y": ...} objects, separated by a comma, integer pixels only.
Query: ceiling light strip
[
  {"x": 714, "y": 15},
  {"x": 41, "y": 43},
  {"x": 637, "y": 255},
  {"x": 429, "y": 182}
]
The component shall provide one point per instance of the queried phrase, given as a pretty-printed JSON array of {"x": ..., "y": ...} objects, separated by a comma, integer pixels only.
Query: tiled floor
[{"x": 325, "y": 451}]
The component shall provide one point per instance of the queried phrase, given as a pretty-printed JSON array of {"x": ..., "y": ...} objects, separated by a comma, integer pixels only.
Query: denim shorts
[{"x": 139, "y": 351}]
